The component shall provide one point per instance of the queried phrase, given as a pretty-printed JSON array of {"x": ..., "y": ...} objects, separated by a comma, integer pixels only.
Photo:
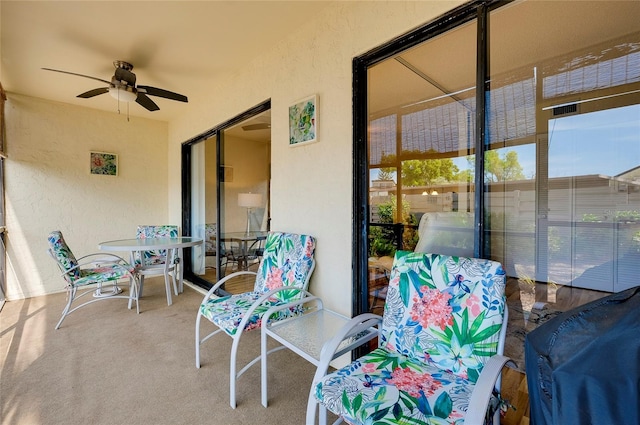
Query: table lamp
[{"x": 248, "y": 201}]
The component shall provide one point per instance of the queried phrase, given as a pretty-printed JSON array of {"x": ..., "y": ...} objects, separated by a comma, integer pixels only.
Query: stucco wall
[
  {"x": 311, "y": 185},
  {"x": 49, "y": 186}
]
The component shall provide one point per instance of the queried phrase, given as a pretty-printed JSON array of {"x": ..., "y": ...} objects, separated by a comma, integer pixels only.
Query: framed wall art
[
  {"x": 104, "y": 163},
  {"x": 303, "y": 121},
  {"x": 227, "y": 174}
]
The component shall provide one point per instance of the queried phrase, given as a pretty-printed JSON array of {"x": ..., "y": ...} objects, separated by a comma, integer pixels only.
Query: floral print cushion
[
  {"x": 210, "y": 235},
  {"x": 227, "y": 312},
  {"x": 384, "y": 386},
  {"x": 445, "y": 310},
  {"x": 83, "y": 276},
  {"x": 210, "y": 230},
  {"x": 63, "y": 255},
  {"x": 441, "y": 323},
  {"x": 103, "y": 274},
  {"x": 287, "y": 262},
  {"x": 155, "y": 257},
  {"x": 161, "y": 231}
]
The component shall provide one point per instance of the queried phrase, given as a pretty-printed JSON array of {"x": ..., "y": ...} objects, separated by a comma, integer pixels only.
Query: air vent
[{"x": 565, "y": 110}]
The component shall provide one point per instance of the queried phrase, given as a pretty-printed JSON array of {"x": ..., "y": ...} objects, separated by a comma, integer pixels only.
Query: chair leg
[
  {"x": 175, "y": 283},
  {"x": 263, "y": 368},
  {"x": 133, "y": 293},
  {"x": 232, "y": 369},
  {"x": 72, "y": 294},
  {"x": 198, "y": 340},
  {"x": 322, "y": 416},
  {"x": 167, "y": 285},
  {"x": 180, "y": 271},
  {"x": 141, "y": 285}
]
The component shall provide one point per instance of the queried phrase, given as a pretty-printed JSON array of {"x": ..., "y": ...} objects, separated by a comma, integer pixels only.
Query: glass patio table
[
  {"x": 151, "y": 244},
  {"x": 243, "y": 239},
  {"x": 306, "y": 334}
]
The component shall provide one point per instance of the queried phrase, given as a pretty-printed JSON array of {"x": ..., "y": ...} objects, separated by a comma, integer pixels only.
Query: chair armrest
[
  {"x": 99, "y": 257},
  {"x": 304, "y": 300},
  {"x": 353, "y": 327},
  {"x": 484, "y": 387},
  {"x": 221, "y": 282},
  {"x": 267, "y": 295},
  {"x": 94, "y": 260}
]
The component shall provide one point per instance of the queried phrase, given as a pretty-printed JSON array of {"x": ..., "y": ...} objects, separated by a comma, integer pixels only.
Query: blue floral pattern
[
  {"x": 441, "y": 324},
  {"x": 287, "y": 262},
  {"x": 210, "y": 235},
  {"x": 155, "y": 257},
  {"x": 74, "y": 275}
]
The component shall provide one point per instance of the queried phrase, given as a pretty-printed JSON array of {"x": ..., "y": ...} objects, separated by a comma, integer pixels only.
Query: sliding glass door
[
  {"x": 244, "y": 214},
  {"x": 554, "y": 112},
  {"x": 226, "y": 181},
  {"x": 564, "y": 128},
  {"x": 420, "y": 144},
  {"x": 204, "y": 206}
]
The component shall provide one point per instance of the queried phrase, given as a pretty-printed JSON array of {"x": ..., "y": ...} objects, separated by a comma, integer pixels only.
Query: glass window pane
[
  {"x": 246, "y": 149},
  {"x": 204, "y": 207},
  {"x": 421, "y": 135},
  {"x": 563, "y": 144}
]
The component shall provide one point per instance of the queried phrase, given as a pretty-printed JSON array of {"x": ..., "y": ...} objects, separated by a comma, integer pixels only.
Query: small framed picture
[
  {"x": 303, "y": 121},
  {"x": 104, "y": 163},
  {"x": 227, "y": 174}
]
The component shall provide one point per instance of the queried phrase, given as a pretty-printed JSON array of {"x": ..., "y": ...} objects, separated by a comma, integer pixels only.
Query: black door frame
[
  {"x": 217, "y": 132},
  {"x": 474, "y": 10}
]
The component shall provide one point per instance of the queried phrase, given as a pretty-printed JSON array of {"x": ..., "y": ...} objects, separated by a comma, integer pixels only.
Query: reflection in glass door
[
  {"x": 558, "y": 201},
  {"x": 594, "y": 199},
  {"x": 421, "y": 163},
  {"x": 564, "y": 129},
  {"x": 244, "y": 206},
  {"x": 226, "y": 198},
  {"x": 204, "y": 211}
]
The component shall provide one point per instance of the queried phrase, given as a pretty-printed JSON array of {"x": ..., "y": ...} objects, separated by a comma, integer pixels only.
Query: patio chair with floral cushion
[
  {"x": 439, "y": 354},
  {"x": 159, "y": 262},
  {"x": 283, "y": 276},
  {"x": 97, "y": 269}
]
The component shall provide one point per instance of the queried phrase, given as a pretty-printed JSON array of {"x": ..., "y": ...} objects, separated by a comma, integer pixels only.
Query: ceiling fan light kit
[
  {"x": 123, "y": 94},
  {"x": 122, "y": 87}
]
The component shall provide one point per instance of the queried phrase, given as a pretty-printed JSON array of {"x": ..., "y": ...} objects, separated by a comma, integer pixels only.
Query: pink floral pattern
[
  {"x": 414, "y": 383},
  {"x": 432, "y": 308},
  {"x": 287, "y": 263},
  {"x": 441, "y": 323}
]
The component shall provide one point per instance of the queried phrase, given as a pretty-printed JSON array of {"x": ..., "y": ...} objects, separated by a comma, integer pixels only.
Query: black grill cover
[{"x": 583, "y": 366}]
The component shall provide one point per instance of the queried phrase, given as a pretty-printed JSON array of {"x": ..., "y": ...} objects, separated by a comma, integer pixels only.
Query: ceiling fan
[{"x": 123, "y": 87}]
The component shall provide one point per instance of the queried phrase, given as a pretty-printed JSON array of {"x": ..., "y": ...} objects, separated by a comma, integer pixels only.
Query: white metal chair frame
[
  {"x": 489, "y": 378},
  {"x": 168, "y": 268},
  {"x": 74, "y": 294},
  {"x": 400, "y": 317},
  {"x": 233, "y": 373}
]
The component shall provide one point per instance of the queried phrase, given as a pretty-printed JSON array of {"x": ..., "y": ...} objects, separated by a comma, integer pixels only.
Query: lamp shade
[{"x": 249, "y": 200}]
